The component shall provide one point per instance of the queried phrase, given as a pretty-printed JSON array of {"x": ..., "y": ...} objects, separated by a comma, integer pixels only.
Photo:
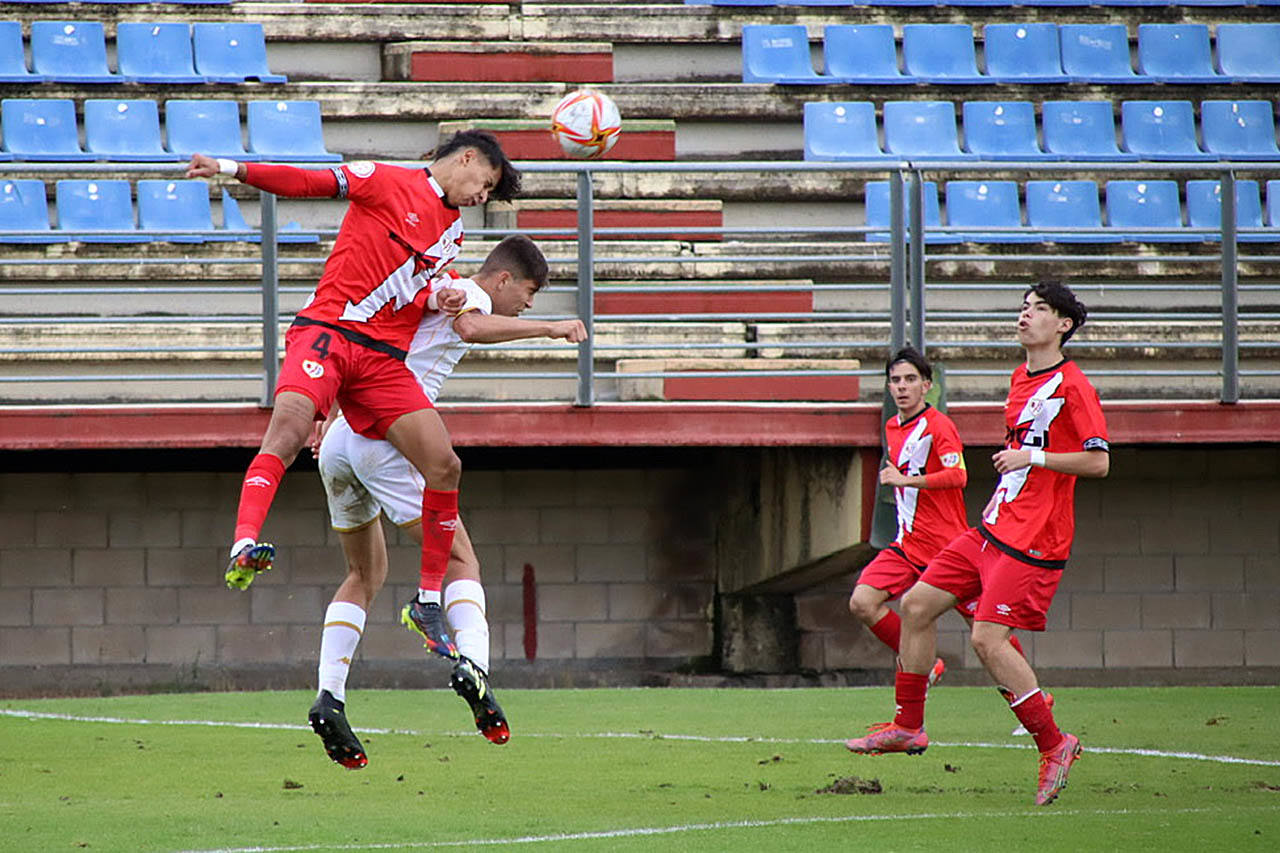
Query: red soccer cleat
[
  {"x": 935, "y": 674},
  {"x": 1054, "y": 767},
  {"x": 890, "y": 737}
]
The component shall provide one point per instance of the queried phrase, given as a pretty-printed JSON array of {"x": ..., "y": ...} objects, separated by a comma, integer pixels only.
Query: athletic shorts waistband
[
  {"x": 1020, "y": 555},
  {"x": 356, "y": 337}
]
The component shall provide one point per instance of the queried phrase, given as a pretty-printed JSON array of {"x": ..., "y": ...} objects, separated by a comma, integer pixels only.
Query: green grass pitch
[{"x": 636, "y": 769}]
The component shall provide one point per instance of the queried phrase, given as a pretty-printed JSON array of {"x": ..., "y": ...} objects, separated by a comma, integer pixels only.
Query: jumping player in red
[
  {"x": 1013, "y": 560},
  {"x": 349, "y": 342}
]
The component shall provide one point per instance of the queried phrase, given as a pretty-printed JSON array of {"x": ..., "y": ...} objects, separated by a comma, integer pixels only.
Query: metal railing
[{"x": 905, "y": 255}]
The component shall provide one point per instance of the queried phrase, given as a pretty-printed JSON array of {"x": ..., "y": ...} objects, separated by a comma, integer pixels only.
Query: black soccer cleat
[
  {"x": 329, "y": 720},
  {"x": 427, "y": 620},
  {"x": 470, "y": 682}
]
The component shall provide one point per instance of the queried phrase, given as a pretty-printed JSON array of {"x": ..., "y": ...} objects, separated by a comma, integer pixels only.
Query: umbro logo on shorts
[
  {"x": 314, "y": 369},
  {"x": 1004, "y": 609}
]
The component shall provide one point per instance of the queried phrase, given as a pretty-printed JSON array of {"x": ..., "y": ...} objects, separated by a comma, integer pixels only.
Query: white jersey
[
  {"x": 365, "y": 476},
  {"x": 436, "y": 348}
]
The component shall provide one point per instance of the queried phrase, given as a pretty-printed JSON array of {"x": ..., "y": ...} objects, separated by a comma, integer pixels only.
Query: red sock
[
  {"x": 889, "y": 629},
  {"x": 1013, "y": 641},
  {"x": 259, "y": 489},
  {"x": 909, "y": 690},
  {"x": 439, "y": 519},
  {"x": 1033, "y": 712}
]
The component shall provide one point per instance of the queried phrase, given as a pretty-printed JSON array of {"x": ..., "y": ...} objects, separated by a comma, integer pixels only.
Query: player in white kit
[{"x": 365, "y": 478}]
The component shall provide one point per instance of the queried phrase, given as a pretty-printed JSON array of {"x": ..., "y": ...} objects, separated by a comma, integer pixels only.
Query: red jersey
[
  {"x": 928, "y": 519},
  {"x": 397, "y": 234},
  {"x": 1056, "y": 410}
]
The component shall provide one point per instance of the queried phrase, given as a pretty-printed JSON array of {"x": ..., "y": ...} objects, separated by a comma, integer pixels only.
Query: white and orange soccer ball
[{"x": 586, "y": 123}]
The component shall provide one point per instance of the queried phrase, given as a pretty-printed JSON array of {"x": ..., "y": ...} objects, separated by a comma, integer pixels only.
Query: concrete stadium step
[
  {"x": 526, "y": 214},
  {"x": 693, "y": 297},
  {"x": 498, "y": 61},
  {"x": 716, "y": 380},
  {"x": 531, "y": 139},
  {"x": 670, "y": 260}
]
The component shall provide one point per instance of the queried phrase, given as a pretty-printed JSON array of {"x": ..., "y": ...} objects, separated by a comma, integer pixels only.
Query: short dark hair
[
  {"x": 1063, "y": 302},
  {"x": 519, "y": 256},
  {"x": 509, "y": 177},
  {"x": 912, "y": 356}
]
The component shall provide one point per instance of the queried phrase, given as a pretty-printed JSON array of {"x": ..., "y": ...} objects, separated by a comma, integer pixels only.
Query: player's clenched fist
[{"x": 572, "y": 331}]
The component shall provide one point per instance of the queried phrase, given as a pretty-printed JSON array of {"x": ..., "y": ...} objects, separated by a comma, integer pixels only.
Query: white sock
[
  {"x": 343, "y": 625},
  {"x": 236, "y": 548},
  {"x": 428, "y": 596},
  {"x": 464, "y": 605}
]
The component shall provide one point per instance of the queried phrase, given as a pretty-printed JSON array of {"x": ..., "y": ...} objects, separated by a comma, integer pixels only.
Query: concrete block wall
[
  {"x": 1176, "y": 565},
  {"x": 125, "y": 569}
]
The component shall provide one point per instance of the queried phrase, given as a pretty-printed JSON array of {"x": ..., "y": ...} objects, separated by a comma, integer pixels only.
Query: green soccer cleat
[
  {"x": 427, "y": 621},
  {"x": 248, "y": 563}
]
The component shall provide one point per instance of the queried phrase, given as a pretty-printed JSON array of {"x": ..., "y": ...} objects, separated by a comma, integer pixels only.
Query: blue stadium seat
[
  {"x": 1273, "y": 204},
  {"x": 232, "y": 53},
  {"x": 1176, "y": 53},
  {"x": 234, "y": 224},
  {"x": 1081, "y": 130},
  {"x": 941, "y": 53},
  {"x": 1002, "y": 130},
  {"x": 71, "y": 52},
  {"x": 124, "y": 130},
  {"x": 155, "y": 53},
  {"x": 1161, "y": 130},
  {"x": 207, "y": 127},
  {"x": 862, "y": 54},
  {"x": 841, "y": 131},
  {"x": 13, "y": 58},
  {"x": 1204, "y": 209},
  {"x": 287, "y": 130},
  {"x": 41, "y": 129},
  {"x": 167, "y": 209},
  {"x": 97, "y": 206},
  {"x": 1249, "y": 52},
  {"x": 877, "y": 202},
  {"x": 983, "y": 205},
  {"x": 922, "y": 130},
  {"x": 24, "y": 207},
  {"x": 1098, "y": 53},
  {"x": 1147, "y": 204},
  {"x": 1023, "y": 53},
  {"x": 1066, "y": 204},
  {"x": 1239, "y": 130},
  {"x": 778, "y": 53}
]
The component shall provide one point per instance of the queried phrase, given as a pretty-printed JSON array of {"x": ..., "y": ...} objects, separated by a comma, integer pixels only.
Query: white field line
[
  {"x": 637, "y": 832},
  {"x": 1150, "y": 753}
]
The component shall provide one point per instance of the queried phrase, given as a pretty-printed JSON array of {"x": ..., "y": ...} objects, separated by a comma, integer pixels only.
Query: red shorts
[
  {"x": 373, "y": 387},
  {"x": 1009, "y": 591},
  {"x": 893, "y": 573}
]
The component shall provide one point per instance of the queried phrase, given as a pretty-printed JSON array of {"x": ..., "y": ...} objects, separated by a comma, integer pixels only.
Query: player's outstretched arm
[
  {"x": 274, "y": 178},
  {"x": 476, "y": 328}
]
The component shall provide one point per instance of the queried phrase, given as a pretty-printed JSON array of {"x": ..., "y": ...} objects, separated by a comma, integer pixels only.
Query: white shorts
[{"x": 363, "y": 476}]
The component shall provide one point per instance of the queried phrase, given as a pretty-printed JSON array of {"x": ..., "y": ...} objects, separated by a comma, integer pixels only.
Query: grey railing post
[
  {"x": 916, "y": 272},
  {"x": 1230, "y": 296},
  {"x": 270, "y": 300},
  {"x": 897, "y": 266},
  {"x": 586, "y": 289}
]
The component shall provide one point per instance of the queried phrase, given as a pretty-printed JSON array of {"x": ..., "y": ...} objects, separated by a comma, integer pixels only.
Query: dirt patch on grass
[{"x": 852, "y": 785}]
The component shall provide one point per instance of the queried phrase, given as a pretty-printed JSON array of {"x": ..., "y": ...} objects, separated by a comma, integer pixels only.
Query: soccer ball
[{"x": 586, "y": 123}]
